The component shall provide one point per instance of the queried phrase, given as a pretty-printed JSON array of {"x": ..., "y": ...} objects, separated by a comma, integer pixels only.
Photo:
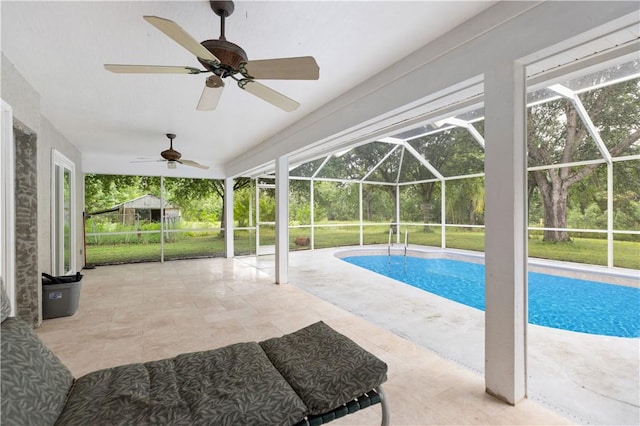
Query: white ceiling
[{"x": 60, "y": 49}]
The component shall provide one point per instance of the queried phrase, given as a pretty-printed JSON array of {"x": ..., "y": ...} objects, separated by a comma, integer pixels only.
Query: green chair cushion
[
  {"x": 34, "y": 381},
  {"x": 326, "y": 368},
  {"x": 6, "y": 303},
  {"x": 233, "y": 385}
]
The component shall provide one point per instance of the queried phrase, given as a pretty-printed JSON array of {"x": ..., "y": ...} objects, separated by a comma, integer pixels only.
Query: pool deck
[{"x": 588, "y": 378}]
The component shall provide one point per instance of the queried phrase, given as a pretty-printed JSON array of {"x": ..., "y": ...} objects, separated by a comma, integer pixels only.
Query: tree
[
  {"x": 353, "y": 166},
  {"x": 336, "y": 201},
  {"x": 105, "y": 191},
  {"x": 465, "y": 201},
  {"x": 556, "y": 134},
  {"x": 218, "y": 187},
  {"x": 195, "y": 197},
  {"x": 185, "y": 190},
  {"x": 370, "y": 156},
  {"x": 451, "y": 152}
]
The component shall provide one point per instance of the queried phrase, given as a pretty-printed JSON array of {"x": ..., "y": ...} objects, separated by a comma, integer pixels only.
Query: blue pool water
[{"x": 558, "y": 302}]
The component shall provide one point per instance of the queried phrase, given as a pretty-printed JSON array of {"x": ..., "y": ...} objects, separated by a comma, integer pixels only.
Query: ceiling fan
[
  {"x": 225, "y": 59},
  {"x": 171, "y": 156}
]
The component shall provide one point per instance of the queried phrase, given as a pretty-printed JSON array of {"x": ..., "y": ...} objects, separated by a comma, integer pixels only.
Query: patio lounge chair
[{"x": 308, "y": 377}]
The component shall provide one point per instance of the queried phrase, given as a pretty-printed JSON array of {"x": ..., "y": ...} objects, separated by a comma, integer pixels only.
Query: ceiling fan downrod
[
  {"x": 171, "y": 137},
  {"x": 222, "y": 9}
]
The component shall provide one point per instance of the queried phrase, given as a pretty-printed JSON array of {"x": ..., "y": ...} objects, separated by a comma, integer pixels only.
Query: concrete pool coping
[{"x": 617, "y": 276}]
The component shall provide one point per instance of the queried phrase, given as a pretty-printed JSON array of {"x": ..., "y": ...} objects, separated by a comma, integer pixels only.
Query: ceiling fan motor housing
[
  {"x": 171, "y": 154},
  {"x": 231, "y": 56}
]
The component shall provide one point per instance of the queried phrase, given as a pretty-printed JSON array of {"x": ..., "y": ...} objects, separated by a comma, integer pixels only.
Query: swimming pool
[{"x": 554, "y": 301}]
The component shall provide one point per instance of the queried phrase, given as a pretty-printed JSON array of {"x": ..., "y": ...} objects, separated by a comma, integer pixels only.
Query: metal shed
[{"x": 147, "y": 207}]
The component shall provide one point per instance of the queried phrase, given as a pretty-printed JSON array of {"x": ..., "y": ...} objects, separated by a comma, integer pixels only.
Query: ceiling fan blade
[
  {"x": 180, "y": 36},
  {"x": 146, "y": 160},
  {"x": 150, "y": 69},
  {"x": 171, "y": 164},
  {"x": 211, "y": 94},
  {"x": 300, "y": 68},
  {"x": 192, "y": 164},
  {"x": 269, "y": 95}
]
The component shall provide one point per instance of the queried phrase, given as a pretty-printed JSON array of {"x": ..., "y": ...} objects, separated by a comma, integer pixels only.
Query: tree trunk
[
  {"x": 392, "y": 193},
  {"x": 472, "y": 214},
  {"x": 222, "y": 218},
  {"x": 426, "y": 207},
  {"x": 555, "y": 216},
  {"x": 554, "y": 198},
  {"x": 426, "y": 191},
  {"x": 367, "y": 203}
]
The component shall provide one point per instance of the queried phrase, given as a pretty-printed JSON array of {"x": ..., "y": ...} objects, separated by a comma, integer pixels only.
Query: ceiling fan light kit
[
  {"x": 225, "y": 59},
  {"x": 214, "y": 82}
]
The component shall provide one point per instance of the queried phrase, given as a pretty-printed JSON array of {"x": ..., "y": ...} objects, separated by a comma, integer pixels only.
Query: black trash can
[{"x": 60, "y": 295}]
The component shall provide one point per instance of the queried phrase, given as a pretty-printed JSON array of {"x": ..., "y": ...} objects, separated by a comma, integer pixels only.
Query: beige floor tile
[{"x": 143, "y": 312}]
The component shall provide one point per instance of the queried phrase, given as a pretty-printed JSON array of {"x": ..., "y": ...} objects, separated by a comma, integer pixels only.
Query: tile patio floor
[{"x": 142, "y": 312}]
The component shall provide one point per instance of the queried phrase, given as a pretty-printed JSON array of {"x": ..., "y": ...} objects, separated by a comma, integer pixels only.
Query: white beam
[
  {"x": 476, "y": 134},
  {"x": 443, "y": 214},
  {"x": 257, "y": 197},
  {"x": 390, "y": 139},
  {"x": 610, "y": 215},
  {"x": 360, "y": 213},
  {"x": 373, "y": 169},
  {"x": 423, "y": 161},
  {"x": 400, "y": 166},
  {"x": 326, "y": 160},
  {"x": 397, "y": 214},
  {"x": 505, "y": 232},
  {"x": 229, "y": 249},
  {"x": 464, "y": 124},
  {"x": 312, "y": 213},
  {"x": 282, "y": 220},
  {"x": 586, "y": 119},
  {"x": 162, "y": 220}
]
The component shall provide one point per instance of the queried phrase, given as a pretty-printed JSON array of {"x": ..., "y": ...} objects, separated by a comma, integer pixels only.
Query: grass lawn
[
  {"x": 580, "y": 250},
  {"x": 191, "y": 247}
]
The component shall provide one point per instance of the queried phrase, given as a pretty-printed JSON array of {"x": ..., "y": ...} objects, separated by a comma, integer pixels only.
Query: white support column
[
  {"x": 361, "y": 215},
  {"x": 505, "y": 232},
  {"x": 443, "y": 214},
  {"x": 257, "y": 218},
  {"x": 397, "y": 212},
  {"x": 229, "y": 249},
  {"x": 313, "y": 215},
  {"x": 282, "y": 220},
  {"x": 255, "y": 184},
  {"x": 162, "y": 225}
]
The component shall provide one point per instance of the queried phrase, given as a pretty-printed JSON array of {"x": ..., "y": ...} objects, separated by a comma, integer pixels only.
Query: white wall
[
  {"x": 25, "y": 102},
  {"x": 48, "y": 139},
  {"x": 19, "y": 94}
]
